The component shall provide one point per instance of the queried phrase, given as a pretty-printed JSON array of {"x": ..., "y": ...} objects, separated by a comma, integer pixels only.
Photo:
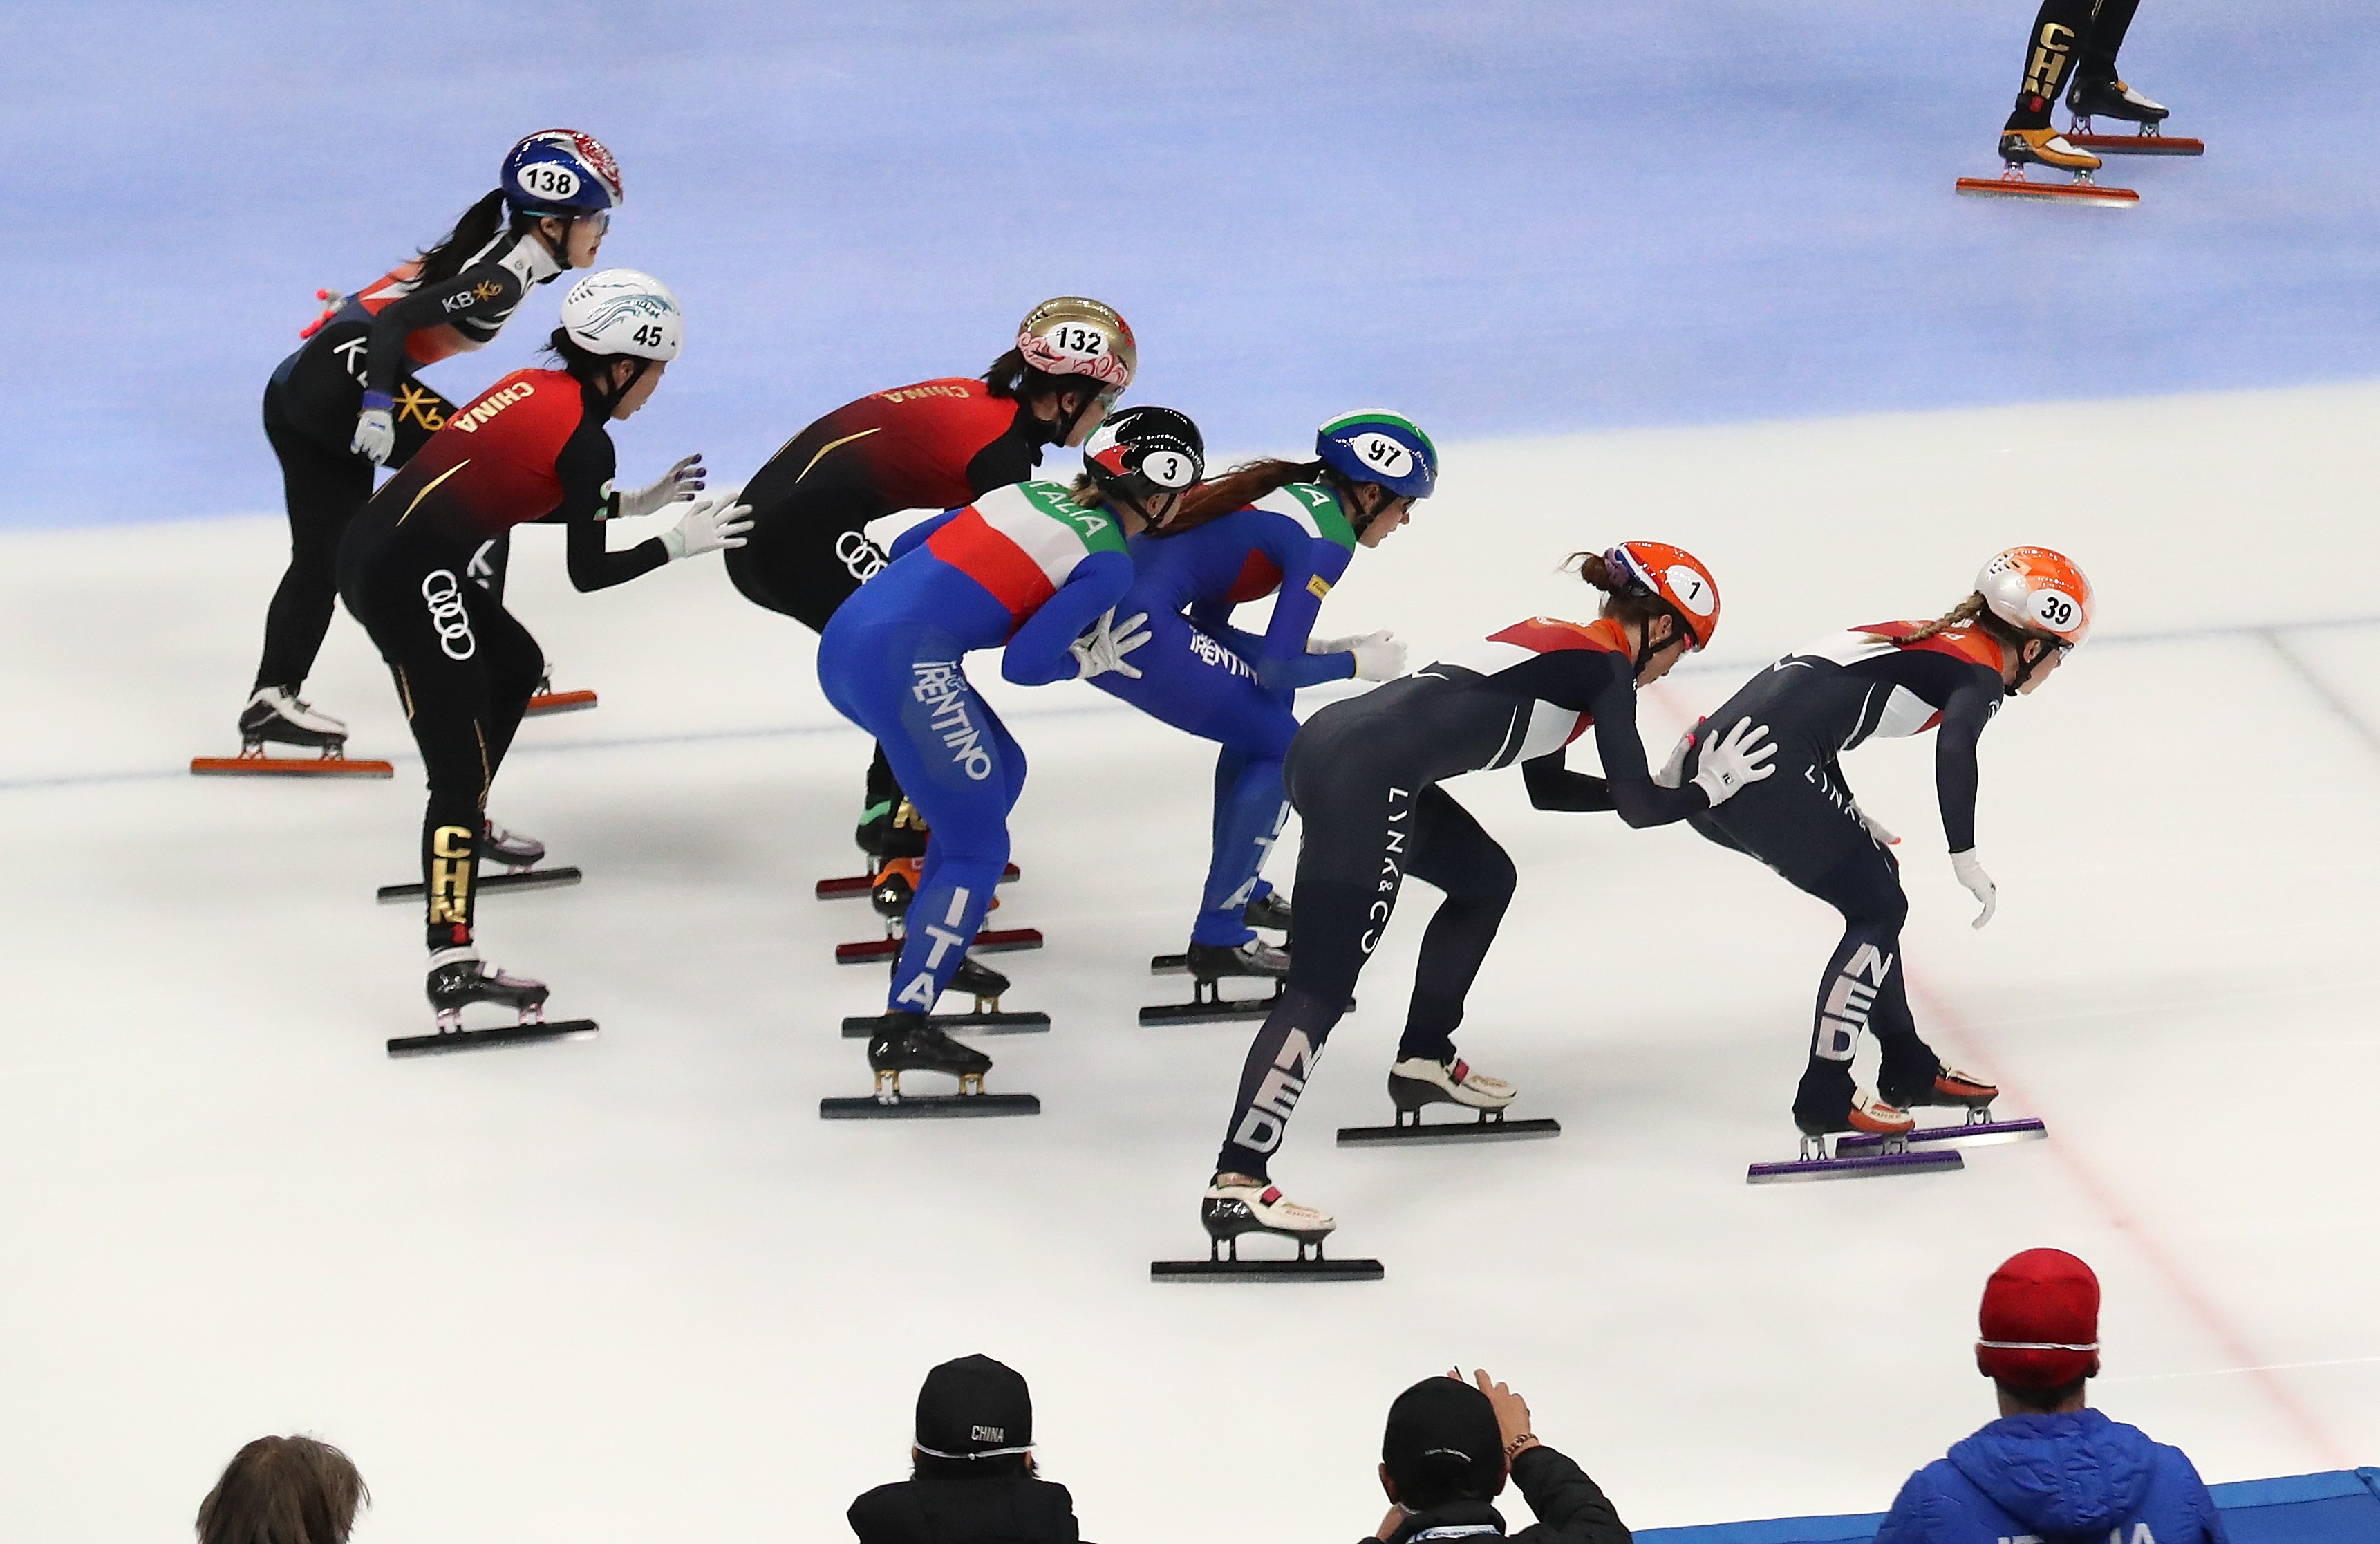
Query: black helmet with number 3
[{"x": 1142, "y": 451}]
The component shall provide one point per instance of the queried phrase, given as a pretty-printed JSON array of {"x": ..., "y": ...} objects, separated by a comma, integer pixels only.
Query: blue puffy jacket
[{"x": 2028, "y": 1480}]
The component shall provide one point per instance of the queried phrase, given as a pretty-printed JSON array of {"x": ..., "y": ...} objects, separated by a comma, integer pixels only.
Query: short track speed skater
[
  {"x": 459, "y": 978},
  {"x": 1416, "y": 1083},
  {"x": 1238, "y": 1205},
  {"x": 901, "y": 1043}
]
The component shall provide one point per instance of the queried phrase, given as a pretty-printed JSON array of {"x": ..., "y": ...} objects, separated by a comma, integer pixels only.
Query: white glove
[
  {"x": 1104, "y": 646},
  {"x": 711, "y": 525},
  {"x": 376, "y": 435},
  {"x": 1875, "y": 827},
  {"x": 1378, "y": 657},
  {"x": 1330, "y": 645},
  {"x": 1729, "y": 764},
  {"x": 1673, "y": 771},
  {"x": 1979, "y": 884},
  {"x": 681, "y": 481}
]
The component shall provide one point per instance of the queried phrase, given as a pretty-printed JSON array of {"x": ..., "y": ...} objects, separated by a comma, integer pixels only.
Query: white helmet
[{"x": 621, "y": 310}]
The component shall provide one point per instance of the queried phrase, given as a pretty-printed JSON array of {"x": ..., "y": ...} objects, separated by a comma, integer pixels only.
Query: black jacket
[
  {"x": 1571, "y": 1508},
  {"x": 1006, "y": 1511}
]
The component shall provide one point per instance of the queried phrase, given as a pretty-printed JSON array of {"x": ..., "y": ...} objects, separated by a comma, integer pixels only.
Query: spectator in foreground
[
  {"x": 2050, "y": 1467},
  {"x": 284, "y": 1491},
  {"x": 1450, "y": 1448},
  {"x": 972, "y": 1479}
]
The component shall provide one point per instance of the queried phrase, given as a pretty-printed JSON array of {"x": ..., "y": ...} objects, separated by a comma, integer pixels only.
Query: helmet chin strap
[
  {"x": 2024, "y": 667},
  {"x": 1063, "y": 430}
]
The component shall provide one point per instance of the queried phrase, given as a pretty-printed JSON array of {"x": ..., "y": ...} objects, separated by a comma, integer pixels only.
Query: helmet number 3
[{"x": 548, "y": 180}]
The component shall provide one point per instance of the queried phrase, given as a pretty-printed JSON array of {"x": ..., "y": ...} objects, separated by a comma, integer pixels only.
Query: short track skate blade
[
  {"x": 1253, "y": 1010},
  {"x": 2135, "y": 144},
  {"x": 858, "y": 1028},
  {"x": 559, "y": 702},
  {"x": 2049, "y": 192},
  {"x": 1440, "y": 1131},
  {"x": 287, "y": 766},
  {"x": 498, "y": 883},
  {"x": 1265, "y": 1271},
  {"x": 923, "y": 1107},
  {"x": 858, "y": 887},
  {"x": 1879, "y": 1166},
  {"x": 1938, "y": 1139},
  {"x": 1168, "y": 965},
  {"x": 996, "y": 940},
  {"x": 487, "y": 1040}
]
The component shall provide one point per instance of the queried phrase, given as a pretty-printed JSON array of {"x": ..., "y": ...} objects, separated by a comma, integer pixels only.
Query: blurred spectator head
[
  {"x": 975, "y": 1420},
  {"x": 1443, "y": 1444},
  {"x": 2040, "y": 1324},
  {"x": 284, "y": 1491}
]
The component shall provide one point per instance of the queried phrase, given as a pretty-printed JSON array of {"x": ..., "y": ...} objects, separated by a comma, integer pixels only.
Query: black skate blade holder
[
  {"x": 529, "y": 1031},
  {"x": 1208, "y": 1003},
  {"x": 1409, "y": 1130},
  {"x": 1223, "y": 1264},
  {"x": 928, "y": 1107},
  {"x": 511, "y": 881},
  {"x": 986, "y": 1019}
]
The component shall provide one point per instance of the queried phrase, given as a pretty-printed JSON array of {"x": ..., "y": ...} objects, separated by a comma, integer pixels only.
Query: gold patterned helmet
[{"x": 1071, "y": 336}]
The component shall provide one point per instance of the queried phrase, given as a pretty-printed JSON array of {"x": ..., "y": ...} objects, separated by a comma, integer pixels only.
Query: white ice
[{"x": 633, "y": 1288}]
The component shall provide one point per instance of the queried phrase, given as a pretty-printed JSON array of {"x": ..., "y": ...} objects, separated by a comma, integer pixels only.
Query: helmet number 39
[{"x": 2053, "y": 609}]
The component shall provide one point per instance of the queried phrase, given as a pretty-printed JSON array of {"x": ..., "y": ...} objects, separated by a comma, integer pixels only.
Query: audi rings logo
[
  {"x": 862, "y": 559},
  {"x": 446, "y": 614}
]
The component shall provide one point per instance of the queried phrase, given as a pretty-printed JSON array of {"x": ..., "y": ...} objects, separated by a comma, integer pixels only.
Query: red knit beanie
[{"x": 2040, "y": 1321}]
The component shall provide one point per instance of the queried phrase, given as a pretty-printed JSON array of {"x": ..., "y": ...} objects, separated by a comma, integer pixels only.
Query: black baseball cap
[
  {"x": 975, "y": 1407},
  {"x": 1443, "y": 1444}
]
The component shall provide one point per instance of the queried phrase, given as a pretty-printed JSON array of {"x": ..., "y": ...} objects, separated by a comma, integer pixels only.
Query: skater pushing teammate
[
  {"x": 1365, "y": 775},
  {"x": 1950, "y": 675},
  {"x": 532, "y": 445},
  {"x": 349, "y": 399},
  {"x": 1277, "y": 527},
  {"x": 936, "y": 444},
  {"x": 1035, "y": 569}
]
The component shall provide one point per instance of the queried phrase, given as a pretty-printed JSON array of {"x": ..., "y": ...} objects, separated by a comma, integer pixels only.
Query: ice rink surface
[{"x": 633, "y": 1288}]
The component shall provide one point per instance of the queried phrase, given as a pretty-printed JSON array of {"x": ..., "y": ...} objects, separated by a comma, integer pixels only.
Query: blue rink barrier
[{"x": 2339, "y": 1507}]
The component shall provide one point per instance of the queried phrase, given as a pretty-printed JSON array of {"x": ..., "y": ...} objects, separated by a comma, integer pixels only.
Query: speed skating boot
[
  {"x": 1948, "y": 1087},
  {"x": 979, "y": 981},
  {"x": 510, "y": 847},
  {"x": 275, "y": 714},
  {"x": 1237, "y": 1204},
  {"x": 1865, "y": 1113},
  {"x": 1421, "y": 1080},
  {"x": 906, "y": 1042},
  {"x": 2109, "y": 98},
  {"x": 1210, "y": 962},
  {"x": 1269, "y": 912},
  {"x": 890, "y": 830},
  {"x": 2045, "y": 146},
  {"x": 459, "y": 977}
]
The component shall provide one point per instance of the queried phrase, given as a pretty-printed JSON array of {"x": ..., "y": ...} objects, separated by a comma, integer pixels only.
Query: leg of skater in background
[
  {"x": 323, "y": 487},
  {"x": 905, "y": 685}
]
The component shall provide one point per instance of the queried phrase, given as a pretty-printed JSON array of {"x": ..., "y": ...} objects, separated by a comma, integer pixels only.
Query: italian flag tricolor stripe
[
  {"x": 1020, "y": 543},
  {"x": 986, "y": 555}
]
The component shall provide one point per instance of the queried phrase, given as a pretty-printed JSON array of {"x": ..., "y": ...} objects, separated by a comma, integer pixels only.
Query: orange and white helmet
[
  {"x": 1677, "y": 577},
  {"x": 2037, "y": 590}
]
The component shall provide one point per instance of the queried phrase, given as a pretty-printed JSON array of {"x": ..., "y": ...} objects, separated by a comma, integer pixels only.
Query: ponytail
[
  {"x": 1623, "y": 600},
  {"x": 1966, "y": 613},
  {"x": 1239, "y": 488},
  {"x": 474, "y": 230}
]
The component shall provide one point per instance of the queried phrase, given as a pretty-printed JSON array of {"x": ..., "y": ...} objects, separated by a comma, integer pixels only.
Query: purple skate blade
[
  {"x": 1935, "y": 1138},
  {"x": 1877, "y": 1166}
]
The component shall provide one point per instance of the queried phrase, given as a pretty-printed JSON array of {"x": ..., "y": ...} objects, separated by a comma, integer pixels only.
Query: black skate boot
[
  {"x": 2108, "y": 97},
  {"x": 1417, "y": 1082},
  {"x": 896, "y": 886},
  {"x": 1208, "y": 965},
  {"x": 891, "y": 829},
  {"x": 910, "y": 1043},
  {"x": 1269, "y": 912},
  {"x": 458, "y": 979},
  {"x": 276, "y": 715},
  {"x": 1237, "y": 1205},
  {"x": 986, "y": 986}
]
